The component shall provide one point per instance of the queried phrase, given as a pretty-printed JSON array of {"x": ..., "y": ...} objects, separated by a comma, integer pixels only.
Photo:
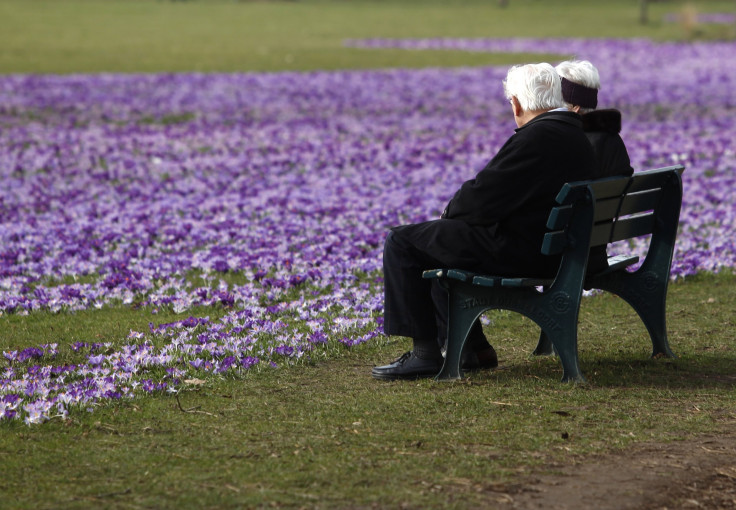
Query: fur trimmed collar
[{"x": 608, "y": 121}]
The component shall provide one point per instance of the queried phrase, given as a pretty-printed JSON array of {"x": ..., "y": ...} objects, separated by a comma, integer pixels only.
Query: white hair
[
  {"x": 535, "y": 86},
  {"x": 581, "y": 72}
]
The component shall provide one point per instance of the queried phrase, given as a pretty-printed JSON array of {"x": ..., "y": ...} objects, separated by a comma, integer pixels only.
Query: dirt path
[{"x": 694, "y": 474}]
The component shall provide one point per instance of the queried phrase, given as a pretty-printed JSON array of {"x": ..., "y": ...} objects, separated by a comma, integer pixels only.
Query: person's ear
[
  {"x": 576, "y": 108},
  {"x": 516, "y": 106}
]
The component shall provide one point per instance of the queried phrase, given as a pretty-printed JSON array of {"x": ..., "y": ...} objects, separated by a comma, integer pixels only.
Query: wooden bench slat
[
  {"x": 460, "y": 275},
  {"x": 640, "y": 201},
  {"x": 559, "y": 217},
  {"x": 626, "y": 228},
  {"x": 455, "y": 274},
  {"x": 487, "y": 281},
  {"x": 609, "y": 187},
  {"x": 554, "y": 243},
  {"x": 618, "y": 262},
  {"x": 604, "y": 188},
  {"x": 632, "y": 203},
  {"x": 614, "y": 264},
  {"x": 615, "y": 186},
  {"x": 526, "y": 282},
  {"x": 651, "y": 179},
  {"x": 609, "y": 208},
  {"x": 433, "y": 273}
]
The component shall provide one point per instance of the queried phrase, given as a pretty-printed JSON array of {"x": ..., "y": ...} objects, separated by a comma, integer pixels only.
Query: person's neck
[{"x": 528, "y": 115}]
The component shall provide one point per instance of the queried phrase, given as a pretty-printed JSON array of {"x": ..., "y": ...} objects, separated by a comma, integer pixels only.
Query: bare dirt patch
[{"x": 693, "y": 474}]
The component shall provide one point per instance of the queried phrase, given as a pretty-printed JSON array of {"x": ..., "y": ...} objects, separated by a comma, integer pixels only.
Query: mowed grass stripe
[{"x": 69, "y": 36}]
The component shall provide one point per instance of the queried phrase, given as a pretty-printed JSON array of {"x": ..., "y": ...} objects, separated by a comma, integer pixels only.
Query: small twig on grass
[
  {"x": 729, "y": 472},
  {"x": 192, "y": 410},
  {"x": 107, "y": 428},
  {"x": 113, "y": 494}
]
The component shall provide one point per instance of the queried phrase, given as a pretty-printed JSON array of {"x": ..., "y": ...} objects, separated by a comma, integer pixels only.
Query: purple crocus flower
[{"x": 269, "y": 196}]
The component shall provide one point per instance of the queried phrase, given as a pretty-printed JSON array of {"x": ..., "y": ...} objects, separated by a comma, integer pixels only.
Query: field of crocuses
[{"x": 270, "y": 194}]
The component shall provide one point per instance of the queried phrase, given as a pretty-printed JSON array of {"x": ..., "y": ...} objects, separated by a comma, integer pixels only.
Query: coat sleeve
[
  {"x": 509, "y": 179},
  {"x": 614, "y": 158}
]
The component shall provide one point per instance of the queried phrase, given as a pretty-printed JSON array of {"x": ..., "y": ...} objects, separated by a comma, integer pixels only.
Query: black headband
[{"x": 580, "y": 95}]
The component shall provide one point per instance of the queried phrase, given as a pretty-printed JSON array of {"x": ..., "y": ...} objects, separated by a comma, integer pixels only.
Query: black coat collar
[{"x": 560, "y": 116}]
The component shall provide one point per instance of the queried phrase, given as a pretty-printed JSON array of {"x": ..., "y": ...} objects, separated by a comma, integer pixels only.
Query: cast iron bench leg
[
  {"x": 647, "y": 296},
  {"x": 460, "y": 320},
  {"x": 544, "y": 346},
  {"x": 568, "y": 353}
]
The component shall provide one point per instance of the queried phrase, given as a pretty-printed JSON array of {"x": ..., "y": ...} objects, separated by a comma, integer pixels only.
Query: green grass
[
  {"x": 328, "y": 435},
  {"x": 63, "y": 36},
  {"x": 109, "y": 324}
]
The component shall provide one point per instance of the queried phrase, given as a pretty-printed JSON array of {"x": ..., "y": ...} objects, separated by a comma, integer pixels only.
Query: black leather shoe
[
  {"x": 485, "y": 359},
  {"x": 408, "y": 366}
]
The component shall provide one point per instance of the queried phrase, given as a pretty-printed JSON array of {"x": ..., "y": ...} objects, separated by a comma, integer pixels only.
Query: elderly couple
[{"x": 495, "y": 223}]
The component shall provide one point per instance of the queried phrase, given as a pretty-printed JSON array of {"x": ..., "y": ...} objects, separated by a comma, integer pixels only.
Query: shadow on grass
[
  {"x": 708, "y": 370},
  {"x": 703, "y": 371}
]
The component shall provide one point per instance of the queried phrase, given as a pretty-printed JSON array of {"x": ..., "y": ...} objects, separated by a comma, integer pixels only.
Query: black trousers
[{"x": 416, "y": 307}]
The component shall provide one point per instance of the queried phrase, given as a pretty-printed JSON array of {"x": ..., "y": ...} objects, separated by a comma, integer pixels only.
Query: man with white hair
[
  {"x": 580, "y": 84},
  {"x": 494, "y": 224}
]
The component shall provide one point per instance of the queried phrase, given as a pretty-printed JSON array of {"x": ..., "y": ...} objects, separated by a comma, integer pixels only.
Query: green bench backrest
[{"x": 624, "y": 207}]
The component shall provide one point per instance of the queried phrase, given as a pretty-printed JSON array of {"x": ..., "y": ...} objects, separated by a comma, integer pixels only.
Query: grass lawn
[
  {"x": 324, "y": 434},
  {"x": 327, "y": 435},
  {"x": 66, "y": 36}
]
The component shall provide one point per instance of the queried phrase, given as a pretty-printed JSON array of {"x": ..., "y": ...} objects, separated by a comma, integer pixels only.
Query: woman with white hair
[{"x": 580, "y": 84}]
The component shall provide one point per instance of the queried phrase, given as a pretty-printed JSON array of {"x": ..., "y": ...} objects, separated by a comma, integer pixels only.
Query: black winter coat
[
  {"x": 602, "y": 127},
  {"x": 495, "y": 223}
]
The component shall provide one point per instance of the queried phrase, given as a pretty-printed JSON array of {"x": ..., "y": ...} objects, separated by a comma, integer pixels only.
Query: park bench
[{"x": 589, "y": 214}]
